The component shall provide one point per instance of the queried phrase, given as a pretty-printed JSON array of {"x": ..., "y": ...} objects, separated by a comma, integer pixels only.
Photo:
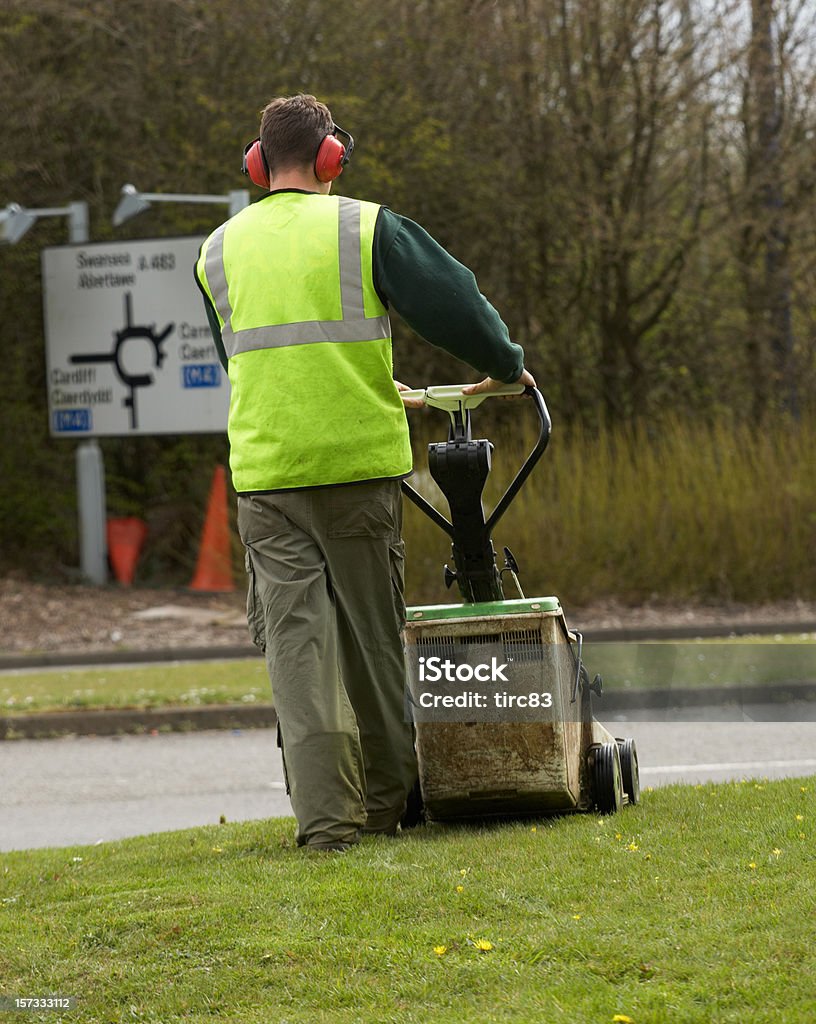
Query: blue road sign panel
[
  {"x": 72, "y": 421},
  {"x": 201, "y": 375}
]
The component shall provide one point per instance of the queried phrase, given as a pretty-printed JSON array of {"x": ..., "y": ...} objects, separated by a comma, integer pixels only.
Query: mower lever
[{"x": 460, "y": 467}]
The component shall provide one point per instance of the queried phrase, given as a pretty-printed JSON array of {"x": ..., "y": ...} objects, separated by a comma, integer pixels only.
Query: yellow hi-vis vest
[{"x": 308, "y": 342}]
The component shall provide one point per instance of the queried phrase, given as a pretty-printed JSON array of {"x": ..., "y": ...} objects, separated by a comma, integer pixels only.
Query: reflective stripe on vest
[{"x": 354, "y": 326}]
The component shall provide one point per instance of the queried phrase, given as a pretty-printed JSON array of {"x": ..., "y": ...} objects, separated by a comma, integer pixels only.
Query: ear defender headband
[{"x": 332, "y": 157}]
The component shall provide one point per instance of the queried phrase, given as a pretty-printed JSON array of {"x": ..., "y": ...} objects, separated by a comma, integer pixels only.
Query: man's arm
[{"x": 439, "y": 298}]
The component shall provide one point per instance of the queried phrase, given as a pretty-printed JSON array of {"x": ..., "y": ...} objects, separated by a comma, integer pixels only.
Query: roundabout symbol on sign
[{"x": 131, "y": 380}]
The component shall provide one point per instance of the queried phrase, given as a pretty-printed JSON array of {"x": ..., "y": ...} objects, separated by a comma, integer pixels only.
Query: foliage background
[{"x": 630, "y": 180}]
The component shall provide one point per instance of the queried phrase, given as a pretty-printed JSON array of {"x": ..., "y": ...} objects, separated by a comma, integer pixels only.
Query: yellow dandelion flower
[
  {"x": 217, "y": 849},
  {"x": 801, "y": 835},
  {"x": 803, "y": 789},
  {"x": 617, "y": 835},
  {"x": 648, "y": 856},
  {"x": 800, "y": 817},
  {"x": 576, "y": 917},
  {"x": 633, "y": 846},
  {"x": 483, "y": 945},
  {"x": 440, "y": 950},
  {"x": 464, "y": 871},
  {"x": 776, "y": 852},
  {"x": 752, "y": 865},
  {"x": 534, "y": 829},
  {"x": 621, "y": 1018},
  {"x": 460, "y": 888}
]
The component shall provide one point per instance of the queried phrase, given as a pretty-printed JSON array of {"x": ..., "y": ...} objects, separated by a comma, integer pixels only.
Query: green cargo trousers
[{"x": 325, "y": 603}]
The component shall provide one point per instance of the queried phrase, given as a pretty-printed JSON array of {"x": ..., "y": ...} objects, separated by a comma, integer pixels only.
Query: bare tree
[
  {"x": 765, "y": 233},
  {"x": 639, "y": 136}
]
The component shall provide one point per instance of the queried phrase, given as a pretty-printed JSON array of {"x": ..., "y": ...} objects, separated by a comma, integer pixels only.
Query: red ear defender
[
  {"x": 255, "y": 165},
  {"x": 330, "y": 159},
  {"x": 332, "y": 156}
]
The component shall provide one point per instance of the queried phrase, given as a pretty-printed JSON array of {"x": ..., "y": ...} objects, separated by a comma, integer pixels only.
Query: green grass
[
  {"x": 697, "y": 907},
  {"x": 741, "y": 661},
  {"x": 672, "y": 511},
  {"x": 186, "y": 684}
]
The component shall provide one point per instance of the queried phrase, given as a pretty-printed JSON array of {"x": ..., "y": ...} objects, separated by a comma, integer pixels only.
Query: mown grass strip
[
  {"x": 697, "y": 906},
  {"x": 184, "y": 684}
]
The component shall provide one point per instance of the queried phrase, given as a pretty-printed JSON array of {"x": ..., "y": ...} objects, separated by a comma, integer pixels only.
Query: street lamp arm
[
  {"x": 134, "y": 202},
  {"x": 17, "y": 220},
  {"x": 178, "y": 197}
]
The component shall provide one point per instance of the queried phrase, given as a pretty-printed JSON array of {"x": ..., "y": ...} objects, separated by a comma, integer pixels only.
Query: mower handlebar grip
[{"x": 450, "y": 398}]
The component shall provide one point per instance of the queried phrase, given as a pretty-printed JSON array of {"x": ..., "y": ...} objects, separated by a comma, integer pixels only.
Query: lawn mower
[{"x": 497, "y": 688}]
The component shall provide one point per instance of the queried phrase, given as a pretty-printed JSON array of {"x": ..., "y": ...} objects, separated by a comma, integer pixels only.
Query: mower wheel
[
  {"x": 607, "y": 788},
  {"x": 629, "y": 770}
]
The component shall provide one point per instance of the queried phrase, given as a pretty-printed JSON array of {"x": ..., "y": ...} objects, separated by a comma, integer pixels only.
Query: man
[{"x": 297, "y": 288}]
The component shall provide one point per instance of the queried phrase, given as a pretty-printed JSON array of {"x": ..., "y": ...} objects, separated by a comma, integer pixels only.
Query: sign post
[{"x": 92, "y": 512}]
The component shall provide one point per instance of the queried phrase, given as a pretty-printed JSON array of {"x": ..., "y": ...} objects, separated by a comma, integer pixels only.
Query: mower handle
[
  {"x": 545, "y": 428},
  {"x": 450, "y": 398}
]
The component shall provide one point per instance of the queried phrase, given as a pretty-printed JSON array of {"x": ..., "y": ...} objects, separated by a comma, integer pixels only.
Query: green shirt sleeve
[{"x": 439, "y": 298}]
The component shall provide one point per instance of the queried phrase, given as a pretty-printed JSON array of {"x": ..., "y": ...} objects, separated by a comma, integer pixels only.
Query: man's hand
[
  {"x": 410, "y": 403},
  {"x": 489, "y": 384}
]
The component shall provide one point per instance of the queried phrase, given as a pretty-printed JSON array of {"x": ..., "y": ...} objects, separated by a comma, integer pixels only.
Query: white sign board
[{"x": 128, "y": 346}]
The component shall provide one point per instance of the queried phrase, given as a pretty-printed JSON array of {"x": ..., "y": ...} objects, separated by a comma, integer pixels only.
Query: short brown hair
[{"x": 292, "y": 128}]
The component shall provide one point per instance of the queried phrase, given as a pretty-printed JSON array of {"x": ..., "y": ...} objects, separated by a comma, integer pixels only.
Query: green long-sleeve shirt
[{"x": 434, "y": 294}]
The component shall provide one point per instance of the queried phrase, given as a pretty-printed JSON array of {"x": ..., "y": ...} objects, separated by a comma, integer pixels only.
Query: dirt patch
[{"x": 38, "y": 617}]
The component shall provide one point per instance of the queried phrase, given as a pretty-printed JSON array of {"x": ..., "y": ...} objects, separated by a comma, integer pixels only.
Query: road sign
[{"x": 128, "y": 347}]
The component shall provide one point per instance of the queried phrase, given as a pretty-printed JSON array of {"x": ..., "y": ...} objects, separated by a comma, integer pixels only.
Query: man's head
[{"x": 292, "y": 128}]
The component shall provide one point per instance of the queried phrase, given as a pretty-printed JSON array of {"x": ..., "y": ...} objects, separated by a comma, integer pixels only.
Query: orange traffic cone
[
  {"x": 125, "y": 539},
  {"x": 214, "y": 567}
]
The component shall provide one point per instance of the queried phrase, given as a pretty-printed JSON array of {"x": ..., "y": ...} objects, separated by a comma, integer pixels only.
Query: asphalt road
[{"x": 83, "y": 790}]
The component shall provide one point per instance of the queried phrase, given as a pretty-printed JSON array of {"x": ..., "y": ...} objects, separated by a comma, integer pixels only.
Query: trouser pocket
[
  {"x": 255, "y": 615},
  {"x": 362, "y": 510}
]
